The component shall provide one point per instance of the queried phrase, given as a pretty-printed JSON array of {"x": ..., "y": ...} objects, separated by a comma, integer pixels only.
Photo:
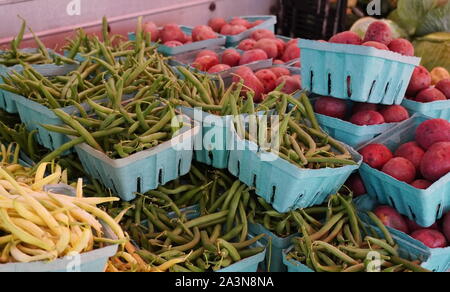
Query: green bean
[
  {"x": 383, "y": 245},
  {"x": 354, "y": 224},
  {"x": 191, "y": 244},
  {"x": 335, "y": 252},
  {"x": 382, "y": 227},
  {"x": 206, "y": 219}
]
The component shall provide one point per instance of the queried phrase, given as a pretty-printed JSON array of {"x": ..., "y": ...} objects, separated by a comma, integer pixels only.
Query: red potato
[
  {"x": 291, "y": 83},
  {"x": 188, "y": 39},
  {"x": 391, "y": 218},
  {"x": 360, "y": 107},
  {"x": 376, "y": 155},
  {"x": 281, "y": 71},
  {"x": 292, "y": 52},
  {"x": 207, "y": 53},
  {"x": 247, "y": 45},
  {"x": 152, "y": 29},
  {"x": 430, "y": 95},
  {"x": 268, "y": 79},
  {"x": 205, "y": 63},
  {"x": 411, "y": 151},
  {"x": 231, "y": 57},
  {"x": 444, "y": 87},
  {"x": 332, "y": 107},
  {"x": 250, "y": 81},
  {"x": 433, "y": 131},
  {"x": 376, "y": 45},
  {"x": 262, "y": 34},
  {"x": 281, "y": 45},
  {"x": 420, "y": 80},
  {"x": 240, "y": 21},
  {"x": 202, "y": 33},
  {"x": 413, "y": 226},
  {"x": 269, "y": 46},
  {"x": 229, "y": 29},
  {"x": 380, "y": 32},
  {"x": 367, "y": 118},
  {"x": 422, "y": 184},
  {"x": 431, "y": 238},
  {"x": 217, "y": 23},
  {"x": 253, "y": 56},
  {"x": 219, "y": 68},
  {"x": 446, "y": 226},
  {"x": 278, "y": 62},
  {"x": 346, "y": 37},
  {"x": 356, "y": 185},
  {"x": 402, "y": 46},
  {"x": 401, "y": 169},
  {"x": 292, "y": 42},
  {"x": 173, "y": 44},
  {"x": 436, "y": 162},
  {"x": 172, "y": 32},
  {"x": 394, "y": 114}
]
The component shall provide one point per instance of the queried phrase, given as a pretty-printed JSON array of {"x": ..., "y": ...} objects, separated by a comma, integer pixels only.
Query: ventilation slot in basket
[
  {"x": 254, "y": 180},
  {"x": 329, "y": 84},
  {"x": 312, "y": 81},
  {"x": 179, "y": 167},
  {"x": 160, "y": 177},
  {"x": 374, "y": 83},
  {"x": 412, "y": 213},
  {"x": 210, "y": 156},
  {"x": 238, "y": 168},
  {"x": 349, "y": 86},
  {"x": 274, "y": 192},
  {"x": 399, "y": 88},
  {"x": 139, "y": 185},
  {"x": 439, "y": 211},
  {"x": 386, "y": 90}
]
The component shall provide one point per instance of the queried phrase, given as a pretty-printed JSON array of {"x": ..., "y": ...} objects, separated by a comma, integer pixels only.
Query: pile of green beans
[
  {"x": 296, "y": 137},
  {"x": 120, "y": 129},
  {"x": 85, "y": 45},
  {"x": 15, "y": 56},
  {"x": 342, "y": 243},
  {"x": 211, "y": 239},
  {"x": 56, "y": 91},
  {"x": 213, "y": 96}
]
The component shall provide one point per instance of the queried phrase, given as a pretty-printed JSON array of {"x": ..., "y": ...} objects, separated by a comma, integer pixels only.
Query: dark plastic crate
[{"x": 313, "y": 19}]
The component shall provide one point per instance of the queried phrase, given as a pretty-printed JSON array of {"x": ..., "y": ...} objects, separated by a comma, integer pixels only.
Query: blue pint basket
[
  {"x": 34, "y": 114},
  {"x": 439, "y": 259},
  {"x": 351, "y": 134},
  {"x": 437, "y": 109},
  {"x": 422, "y": 206},
  {"x": 168, "y": 51},
  {"x": 90, "y": 262},
  {"x": 145, "y": 170},
  {"x": 275, "y": 246},
  {"x": 358, "y": 73},
  {"x": 269, "y": 23},
  {"x": 282, "y": 184}
]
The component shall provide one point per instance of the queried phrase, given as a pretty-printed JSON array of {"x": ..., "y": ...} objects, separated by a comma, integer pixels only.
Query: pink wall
[{"x": 49, "y": 18}]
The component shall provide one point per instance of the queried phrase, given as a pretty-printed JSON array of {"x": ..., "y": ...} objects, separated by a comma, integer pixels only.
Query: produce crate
[
  {"x": 437, "y": 109},
  {"x": 275, "y": 245},
  {"x": 145, "y": 170},
  {"x": 422, "y": 206},
  {"x": 349, "y": 133},
  {"x": 165, "y": 50},
  {"x": 282, "y": 184},
  {"x": 313, "y": 18},
  {"x": 439, "y": 258},
  {"x": 358, "y": 73},
  {"x": 188, "y": 58},
  {"x": 90, "y": 262},
  {"x": 269, "y": 23},
  {"x": 34, "y": 114}
]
